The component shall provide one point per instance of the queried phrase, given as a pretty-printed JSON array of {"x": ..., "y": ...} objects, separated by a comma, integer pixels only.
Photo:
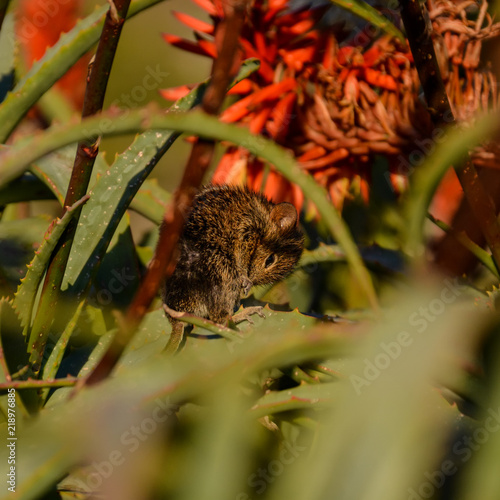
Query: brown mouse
[{"x": 233, "y": 239}]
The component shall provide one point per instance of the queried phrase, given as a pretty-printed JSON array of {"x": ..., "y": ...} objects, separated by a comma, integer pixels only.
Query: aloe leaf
[
  {"x": 149, "y": 340},
  {"x": 54, "y": 362},
  {"x": 198, "y": 123},
  {"x": 374, "y": 255},
  {"x": 18, "y": 239},
  {"x": 279, "y": 321},
  {"x": 57, "y": 448},
  {"x": 370, "y": 14},
  {"x": 13, "y": 355},
  {"x": 217, "y": 437},
  {"x": 27, "y": 290},
  {"x": 24, "y": 188},
  {"x": 151, "y": 201},
  {"x": 461, "y": 237},
  {"x": 54, "y": 64},
  {"x": 402, "y": 405},
  {"x": 301, "y": 397},
  {"x": 97, "y": 353},
  {"x": 118, "y": 275},
  {"x": 54, "y": 170},
  {"x": 205, "y": 324}
]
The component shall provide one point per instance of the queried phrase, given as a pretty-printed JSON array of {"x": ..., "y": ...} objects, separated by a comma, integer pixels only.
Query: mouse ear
[{"x": 284, "y": 215}]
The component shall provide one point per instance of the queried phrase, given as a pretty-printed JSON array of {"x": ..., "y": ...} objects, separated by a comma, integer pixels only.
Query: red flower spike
[
  {"x": 194, "y": 23},
  {"x": 378, "y": 79},
  {"x": 277, "y": 5},
  {"x": 238, "y": 110},
  {"x": 274, "y": 91},
  {"x": 258, "y": 122},
  {"x": 175, "y": 93},
  {"x": 296, "y": 58},
  {"x": 231, "y": 169},
  {"x": 243, "y": 87},
  {"x": 332, "y": 158},
  {"x": 33, "y": 27},
  {"x": 208, "y": 47},
  {"x": 301, "y": 27},
  {"x": 312, "y": 154},
  {"x": 183, "y": 44},
  {"x": 260, "y": 44},
  {"x": 207, "y": 6},
  {"x": 282, "y": 115},
  {"x": 372, "y": 56},
  {"x": 329, "y": 54}
]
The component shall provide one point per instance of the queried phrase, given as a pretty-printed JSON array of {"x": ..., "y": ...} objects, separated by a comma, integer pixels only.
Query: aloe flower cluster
[{"x": 337, "y": 105}]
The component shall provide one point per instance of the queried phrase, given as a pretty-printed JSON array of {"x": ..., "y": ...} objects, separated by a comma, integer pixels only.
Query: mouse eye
[{"x": 270, "y": 261}]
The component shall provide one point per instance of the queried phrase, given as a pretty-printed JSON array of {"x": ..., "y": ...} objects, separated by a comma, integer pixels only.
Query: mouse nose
[{"x": 246, "y": 286}]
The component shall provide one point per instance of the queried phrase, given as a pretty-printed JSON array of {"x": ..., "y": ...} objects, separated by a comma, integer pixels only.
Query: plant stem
[
  {"x": 418, "y": 30},
  {"x": 97, "y": 80},
  {"x": 38, "y": 384}
]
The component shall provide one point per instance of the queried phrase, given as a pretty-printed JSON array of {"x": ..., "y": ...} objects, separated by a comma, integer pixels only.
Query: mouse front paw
[{"x": 245, "y": 314}]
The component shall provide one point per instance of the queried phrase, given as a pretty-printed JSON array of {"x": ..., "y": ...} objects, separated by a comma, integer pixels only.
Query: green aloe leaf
[
  {"x": 370, "y": 14},
  {"x": 24, "y": 188},
  {"x": 54, "y": 170},
  {"x": 57, "y": 448},
  {"x": 54, "y": 362},
  {"x": 54, "y": 64},
  {"x": 18, "y": 240},
  {"x": 387, "y": 406},
  {"x": 27, "y": 290},
  {"x": 306, "y": 396},
  {"x": 151, "y": 201},
  {"x": 13, "y": 356},
  {"x": 7, "y": 51}
]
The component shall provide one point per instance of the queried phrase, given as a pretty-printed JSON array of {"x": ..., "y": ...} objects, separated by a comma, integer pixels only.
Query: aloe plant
[{"x": 369, "y": 375}]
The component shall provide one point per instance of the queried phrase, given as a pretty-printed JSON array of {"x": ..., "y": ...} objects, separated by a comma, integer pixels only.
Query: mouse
[{"x": 233, "y": 239}]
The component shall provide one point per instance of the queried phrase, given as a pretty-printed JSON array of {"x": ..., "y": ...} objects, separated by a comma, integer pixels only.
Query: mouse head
[{"x": 279, "y": 248}]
